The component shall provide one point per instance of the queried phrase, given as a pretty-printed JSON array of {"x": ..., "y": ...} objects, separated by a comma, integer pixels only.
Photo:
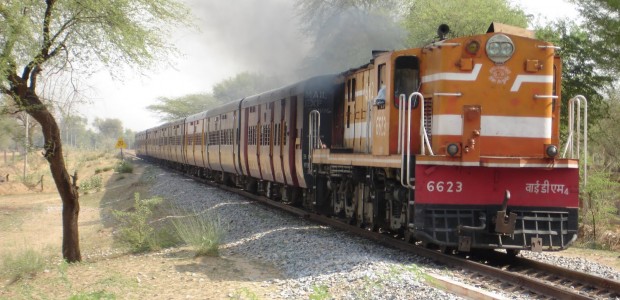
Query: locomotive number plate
[{"x": 444, "y": 186}]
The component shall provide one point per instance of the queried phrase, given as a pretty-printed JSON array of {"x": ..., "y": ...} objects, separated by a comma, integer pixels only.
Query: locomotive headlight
[
  {"x": 552, "y": 150},
  {"x": 452, "y": 149},
  {"x": 500, "y": 48}
]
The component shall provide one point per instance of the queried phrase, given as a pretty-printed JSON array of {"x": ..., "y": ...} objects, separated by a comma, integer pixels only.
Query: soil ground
[{"x": 31, "y": 219}]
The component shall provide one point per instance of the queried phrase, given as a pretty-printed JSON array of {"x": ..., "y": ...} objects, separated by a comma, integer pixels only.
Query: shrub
[
  {"x": 135, "y": 230},
  {"x": 203, "y": 232},
  {"x": 22, "y": 265},
  {"x": 319, "y": 293},
  {"x": 92, "y": 183},
  {"x": 124, "y": 167}
]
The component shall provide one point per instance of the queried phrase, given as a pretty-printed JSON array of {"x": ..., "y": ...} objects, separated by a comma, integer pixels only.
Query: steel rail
[
  {"x": 512, "y": 278},
  {"x": 529, "y": 283}
]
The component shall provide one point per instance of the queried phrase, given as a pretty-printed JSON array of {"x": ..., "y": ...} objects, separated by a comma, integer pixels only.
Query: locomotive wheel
[
  {"x": 251, "y": 186},
  {"x": 408, "y": 237},
  {"x": 513, "y": 252},
  {"x": 446, "y": 250}
]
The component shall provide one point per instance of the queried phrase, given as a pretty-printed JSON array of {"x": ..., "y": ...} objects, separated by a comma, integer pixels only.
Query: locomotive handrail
[
  {"x": 423, "y": 134},
  {"x": 314, "y": 138},
  {"x": 401, "y": 136},
  {"x": 572, "y": 128},
  {"x": 448, "y": 94},
  {"x": 401, "y": 99},
  {"x": 369, "y": 128},
  {"x": 406, "y": 132},
  {"x": 545, "y": 96},
  {"x": 549, "y": 47}
]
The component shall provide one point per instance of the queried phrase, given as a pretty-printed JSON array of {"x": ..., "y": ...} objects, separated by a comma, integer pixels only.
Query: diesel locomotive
[{"x": 455, "y": 144}]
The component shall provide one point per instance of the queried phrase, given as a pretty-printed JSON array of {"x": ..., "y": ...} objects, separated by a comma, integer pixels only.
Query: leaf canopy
[
  {"x": 64, "y": 34},
  {"x": 464, "y": 18}
]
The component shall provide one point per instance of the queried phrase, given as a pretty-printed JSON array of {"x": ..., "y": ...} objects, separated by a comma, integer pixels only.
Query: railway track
[{"x": 496, "y": 271}]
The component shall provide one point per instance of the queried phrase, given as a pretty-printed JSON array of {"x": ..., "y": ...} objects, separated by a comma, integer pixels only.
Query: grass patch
[
  {"x": 124, "y": 167},
  {"x": 203, "y": 232},
  {"x": 244, "y": 293},
  {"x": 319, "y": 293},
  {"x": 135, "y": 230},
  {"x": 22, "y": 265},
  {"x": 93, "y": 296},
  {"x": 103, "y": 170}
]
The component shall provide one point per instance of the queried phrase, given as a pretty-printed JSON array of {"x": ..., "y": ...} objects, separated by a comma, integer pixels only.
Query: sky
[{"x": 232, "y": 37}]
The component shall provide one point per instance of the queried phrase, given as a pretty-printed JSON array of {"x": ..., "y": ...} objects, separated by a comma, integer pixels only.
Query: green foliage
[
  {"x": 604, "y": 31},
  {"x": 10, "y": 132},
  {"x": 424, "y": 16},
  {"x": 170, "y": 109},
  {"x": 22, "y": 265},
  {"x": 234, "y": 88},
  {"x": 115, "y": 33},
  {"x": 244, "y": 293},
  {"x": 203, "y": 232},
  {"x": 243, "y": 85},
  {"x": 605, "y": 142},
  {"x": 94, "y": 183},
  {"x": 581, "y": 74},
  {"x": 124, "y": 167},
  {"x": 98, "y": 295},
  {"x": 104, "y": 169},
  {"x": 320, "y": 292},
  {"x": 109, "y": 128},
  {"x": 599, "y": 197},
  {"x": 135, "y": 230}
]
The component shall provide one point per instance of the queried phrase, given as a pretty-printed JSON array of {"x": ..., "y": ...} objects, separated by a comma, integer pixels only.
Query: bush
[
  {"x": 135, "y": 230},
  {"x": 203, "y": 232},
  {"x": 124, "y": 167},
  {"x": 92, "y": 183},
  {"x": 22, "y": 265}
]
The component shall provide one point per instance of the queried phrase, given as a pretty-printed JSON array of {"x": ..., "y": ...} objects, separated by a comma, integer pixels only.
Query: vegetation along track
[{"x": 514, "y": 274}]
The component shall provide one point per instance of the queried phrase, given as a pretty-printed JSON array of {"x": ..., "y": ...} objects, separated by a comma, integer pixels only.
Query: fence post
[{"x": 42, "y": 183}]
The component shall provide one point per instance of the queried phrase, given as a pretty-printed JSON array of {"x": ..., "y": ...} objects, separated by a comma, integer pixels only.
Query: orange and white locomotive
[{"x": 455, "y": 144}]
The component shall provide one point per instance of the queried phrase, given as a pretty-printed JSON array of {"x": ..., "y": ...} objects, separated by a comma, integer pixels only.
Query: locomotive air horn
[{"x": 443, "y": 31}]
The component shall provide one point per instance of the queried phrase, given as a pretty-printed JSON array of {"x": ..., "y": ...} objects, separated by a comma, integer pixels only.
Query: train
[{"x": 454, "y": 145}]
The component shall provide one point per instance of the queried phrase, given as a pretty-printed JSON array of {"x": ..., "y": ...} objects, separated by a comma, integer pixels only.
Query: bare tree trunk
[{"x": 66, "y": 188}]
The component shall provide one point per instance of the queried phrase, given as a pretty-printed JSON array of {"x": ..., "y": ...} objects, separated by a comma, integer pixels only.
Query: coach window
[{"x": 406, "y": 78}]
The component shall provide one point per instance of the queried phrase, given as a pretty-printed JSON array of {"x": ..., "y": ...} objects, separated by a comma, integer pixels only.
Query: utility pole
[{"x": 26, "y": 149}]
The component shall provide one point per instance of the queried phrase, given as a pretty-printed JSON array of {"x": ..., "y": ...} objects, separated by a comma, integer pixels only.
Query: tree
[
  {"x": 109, "y": 128},
  {"x": 234, "y": 88},
  {"x": 66, "y": 36},
  {"x": 607, "y": 144},
  {"x": 581, "y": 74},
  {"x": 170, "y": 109},
  {"x": 423, "y": 17},
  {"x": 602, "y": 18},
  {"x": 243, "y": 85},
  {"x": 343, "y": 33}
]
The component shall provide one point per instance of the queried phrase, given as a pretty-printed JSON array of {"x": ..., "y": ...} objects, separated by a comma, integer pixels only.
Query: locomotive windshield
[{"x": 406, "y": 77}]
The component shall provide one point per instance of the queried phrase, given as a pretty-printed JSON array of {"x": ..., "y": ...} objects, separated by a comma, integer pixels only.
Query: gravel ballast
[{"x": 317, "y": 260}]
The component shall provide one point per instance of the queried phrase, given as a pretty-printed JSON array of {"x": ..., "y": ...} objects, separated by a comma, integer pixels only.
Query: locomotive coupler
[
  {"x": 483, "y": 224},
  {"x": 504, "y": 223}
]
